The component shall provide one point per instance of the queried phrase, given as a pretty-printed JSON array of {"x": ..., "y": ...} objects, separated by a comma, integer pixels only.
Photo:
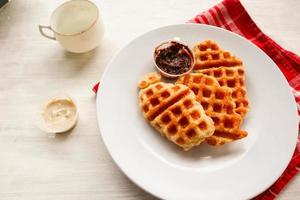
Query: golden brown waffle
[
  {"x": 234, "y": 78},
  {"x": 175, "y": 113},
  {"x": 226, "y": 68},
  {"x": 218, "y": 104},
  {"x": 149, "y": 79},
  {"x": 208, "y": 54}
]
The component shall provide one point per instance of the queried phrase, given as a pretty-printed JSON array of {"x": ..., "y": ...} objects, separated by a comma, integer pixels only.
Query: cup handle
[{"x": 41, "y": 27}]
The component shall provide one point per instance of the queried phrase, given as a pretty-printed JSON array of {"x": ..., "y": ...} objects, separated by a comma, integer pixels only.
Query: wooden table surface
[{"x": 33, "y": 68}]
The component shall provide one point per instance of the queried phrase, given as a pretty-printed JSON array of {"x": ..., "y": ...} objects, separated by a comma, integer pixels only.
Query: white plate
[{"x": 239, "y": 170}]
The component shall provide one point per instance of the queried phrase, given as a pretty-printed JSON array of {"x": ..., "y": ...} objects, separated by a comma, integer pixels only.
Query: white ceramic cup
[{"x": 76, "y": 25}]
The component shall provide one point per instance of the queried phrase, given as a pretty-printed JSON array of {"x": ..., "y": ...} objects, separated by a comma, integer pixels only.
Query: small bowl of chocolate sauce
[{"x": 173, "y": 58}]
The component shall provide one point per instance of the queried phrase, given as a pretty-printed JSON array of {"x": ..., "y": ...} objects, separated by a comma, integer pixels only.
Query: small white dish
[{"x": 58, "y": 115}]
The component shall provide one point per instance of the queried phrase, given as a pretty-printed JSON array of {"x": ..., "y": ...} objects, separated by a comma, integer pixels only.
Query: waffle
[
  {"x": 175, "y": 113},
  {"x": 208, "y": 54},
  {"x": 226, "y": 68},
  {"x": 218, "y": 104},
  {"x": 149, "y": 79},
  {"x": 234, "y": 78}
]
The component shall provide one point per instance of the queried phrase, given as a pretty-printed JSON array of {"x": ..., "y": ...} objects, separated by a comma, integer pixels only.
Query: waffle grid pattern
[
  {"x": 175, "y": 113},
  {"x": 234, "y": 78},
  {"x": 218, "y": 104}
]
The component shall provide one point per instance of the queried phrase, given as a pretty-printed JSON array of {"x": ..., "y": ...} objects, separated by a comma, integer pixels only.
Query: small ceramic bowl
[
  {"x": 42, "y": 123},
  {"x": 166, "y": 44}
]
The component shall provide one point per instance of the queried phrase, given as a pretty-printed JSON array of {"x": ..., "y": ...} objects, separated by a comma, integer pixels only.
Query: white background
[{"x": 32, "y": 68}]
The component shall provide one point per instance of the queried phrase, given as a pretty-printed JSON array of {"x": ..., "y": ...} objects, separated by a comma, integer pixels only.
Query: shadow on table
[
  {"x": 63, "y": 136},
  {"x": 80, "y": 60}
]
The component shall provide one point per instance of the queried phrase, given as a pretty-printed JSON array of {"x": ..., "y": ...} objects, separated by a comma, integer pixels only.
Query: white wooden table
[{"x": 32, "y": 68}]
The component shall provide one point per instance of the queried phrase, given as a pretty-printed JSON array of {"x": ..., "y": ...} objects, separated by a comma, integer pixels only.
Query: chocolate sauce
[{"x": 173, "y": 58}]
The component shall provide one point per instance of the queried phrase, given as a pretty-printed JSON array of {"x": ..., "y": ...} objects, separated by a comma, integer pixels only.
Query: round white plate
[{"x": 239, "y": 170}]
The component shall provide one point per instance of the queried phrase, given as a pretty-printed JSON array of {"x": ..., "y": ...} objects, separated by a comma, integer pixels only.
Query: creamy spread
[
  {"x": 173, "y": 57},
  {"x": 59, "y": 114}
]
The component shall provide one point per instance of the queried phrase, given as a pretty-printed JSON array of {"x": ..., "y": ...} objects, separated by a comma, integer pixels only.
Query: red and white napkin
[{"x": 231, "y": 15}]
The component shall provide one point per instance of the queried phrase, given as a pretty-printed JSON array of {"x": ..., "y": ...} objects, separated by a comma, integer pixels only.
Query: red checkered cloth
[{"x": 231, "y": 15}]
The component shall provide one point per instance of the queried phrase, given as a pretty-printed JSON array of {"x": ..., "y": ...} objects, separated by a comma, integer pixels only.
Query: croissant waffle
[
  {"x": 208, "y": 54},
  {"x": 149, "y": 79},
  {"x": 226, "y": 68},
  {"x": 234, "y": 78},
  {"x": 175, "y": 113},
  {"x": 218, "y": 104}
]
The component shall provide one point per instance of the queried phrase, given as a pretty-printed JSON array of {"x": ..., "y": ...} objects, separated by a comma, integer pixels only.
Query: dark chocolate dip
[{"x": 173, "y": 57}]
